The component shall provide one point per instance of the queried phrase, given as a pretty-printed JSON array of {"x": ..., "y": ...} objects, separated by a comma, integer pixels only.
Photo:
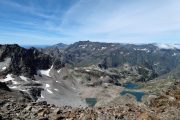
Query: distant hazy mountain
[
  {"x": 35, "y": 46},
  {"x": 59, "y": 45}
]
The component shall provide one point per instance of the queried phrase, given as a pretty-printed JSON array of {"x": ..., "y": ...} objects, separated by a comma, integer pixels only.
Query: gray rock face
[
  {"x": 23, "y": 61},
  {"x": 35, "y": 92},
  {"x": 9, "y": 95}
]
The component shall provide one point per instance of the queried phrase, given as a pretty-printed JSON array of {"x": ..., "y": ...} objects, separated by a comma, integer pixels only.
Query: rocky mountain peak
[
  {"x": 59, "y": 46},
  {"x": 23, "y": 61}
]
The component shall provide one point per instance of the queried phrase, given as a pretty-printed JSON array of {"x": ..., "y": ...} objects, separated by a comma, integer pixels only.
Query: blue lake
[
  {"x": 129, "y": 86},
  {"x": 138, "y": 95},
  {"x": 91, "y": 101}
]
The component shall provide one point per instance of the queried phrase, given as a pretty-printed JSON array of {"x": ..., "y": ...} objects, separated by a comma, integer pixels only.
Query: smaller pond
[
  {"x": 91, "y": 101},
  {"x": 130, "y": 85},
  {"x": 138, "y": 95}
]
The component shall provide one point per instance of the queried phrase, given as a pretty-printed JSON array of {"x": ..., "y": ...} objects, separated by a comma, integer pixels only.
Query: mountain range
[
  {"x": 88, "y": 73},
  {"x": 158, "y": 57}
]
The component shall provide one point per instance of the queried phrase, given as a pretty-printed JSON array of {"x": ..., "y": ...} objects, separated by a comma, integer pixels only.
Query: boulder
[{"x": 3, "y": 86}]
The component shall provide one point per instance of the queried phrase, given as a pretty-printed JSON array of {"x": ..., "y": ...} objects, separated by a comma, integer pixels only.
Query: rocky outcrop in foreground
[
  {"x": 14, "y": 108},
  {"x": 44, "y": 111}
]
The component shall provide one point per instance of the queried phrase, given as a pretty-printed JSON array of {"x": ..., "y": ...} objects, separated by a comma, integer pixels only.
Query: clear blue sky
[{"x": 126, "y": 21}]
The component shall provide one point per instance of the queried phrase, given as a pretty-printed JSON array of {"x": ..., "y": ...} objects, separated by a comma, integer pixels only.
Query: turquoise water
[
  {"x": 129, "y": 86},
  {"x": 138, "y": 95},
  {"x": 91, "y": 101}
]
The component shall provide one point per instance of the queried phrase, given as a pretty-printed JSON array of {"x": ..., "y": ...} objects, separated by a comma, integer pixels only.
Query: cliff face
[{"x": 17, "y": 60}]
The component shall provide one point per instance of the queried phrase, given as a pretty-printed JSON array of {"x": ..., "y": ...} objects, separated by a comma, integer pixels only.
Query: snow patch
[
  {"x": 8, "y": 78},
  {"x": 103, "y": 48},
  {"x": 45, "y": 72},
  {"x": 56, "y": 89},
  {"x": 174, "y": 54},
  {"x": 42, "y": 96},
  {"x": 15, "y": 82},
  {"x": 4, "y": 68},
  {"x": 47, "y": 85},
  {"x": 13, "y": 87},
  {"x": 143, "y": 49},
  {"x": 49, "y": 91},
  {"x": 87, "y": 70},
  {"x": 24, "y": 78},
  {"x": 83, "y": 46},
  {"x": 23, "y": 90},
  {"x": 59, "y": 71},
  {"x": 58, "y": 81}
]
